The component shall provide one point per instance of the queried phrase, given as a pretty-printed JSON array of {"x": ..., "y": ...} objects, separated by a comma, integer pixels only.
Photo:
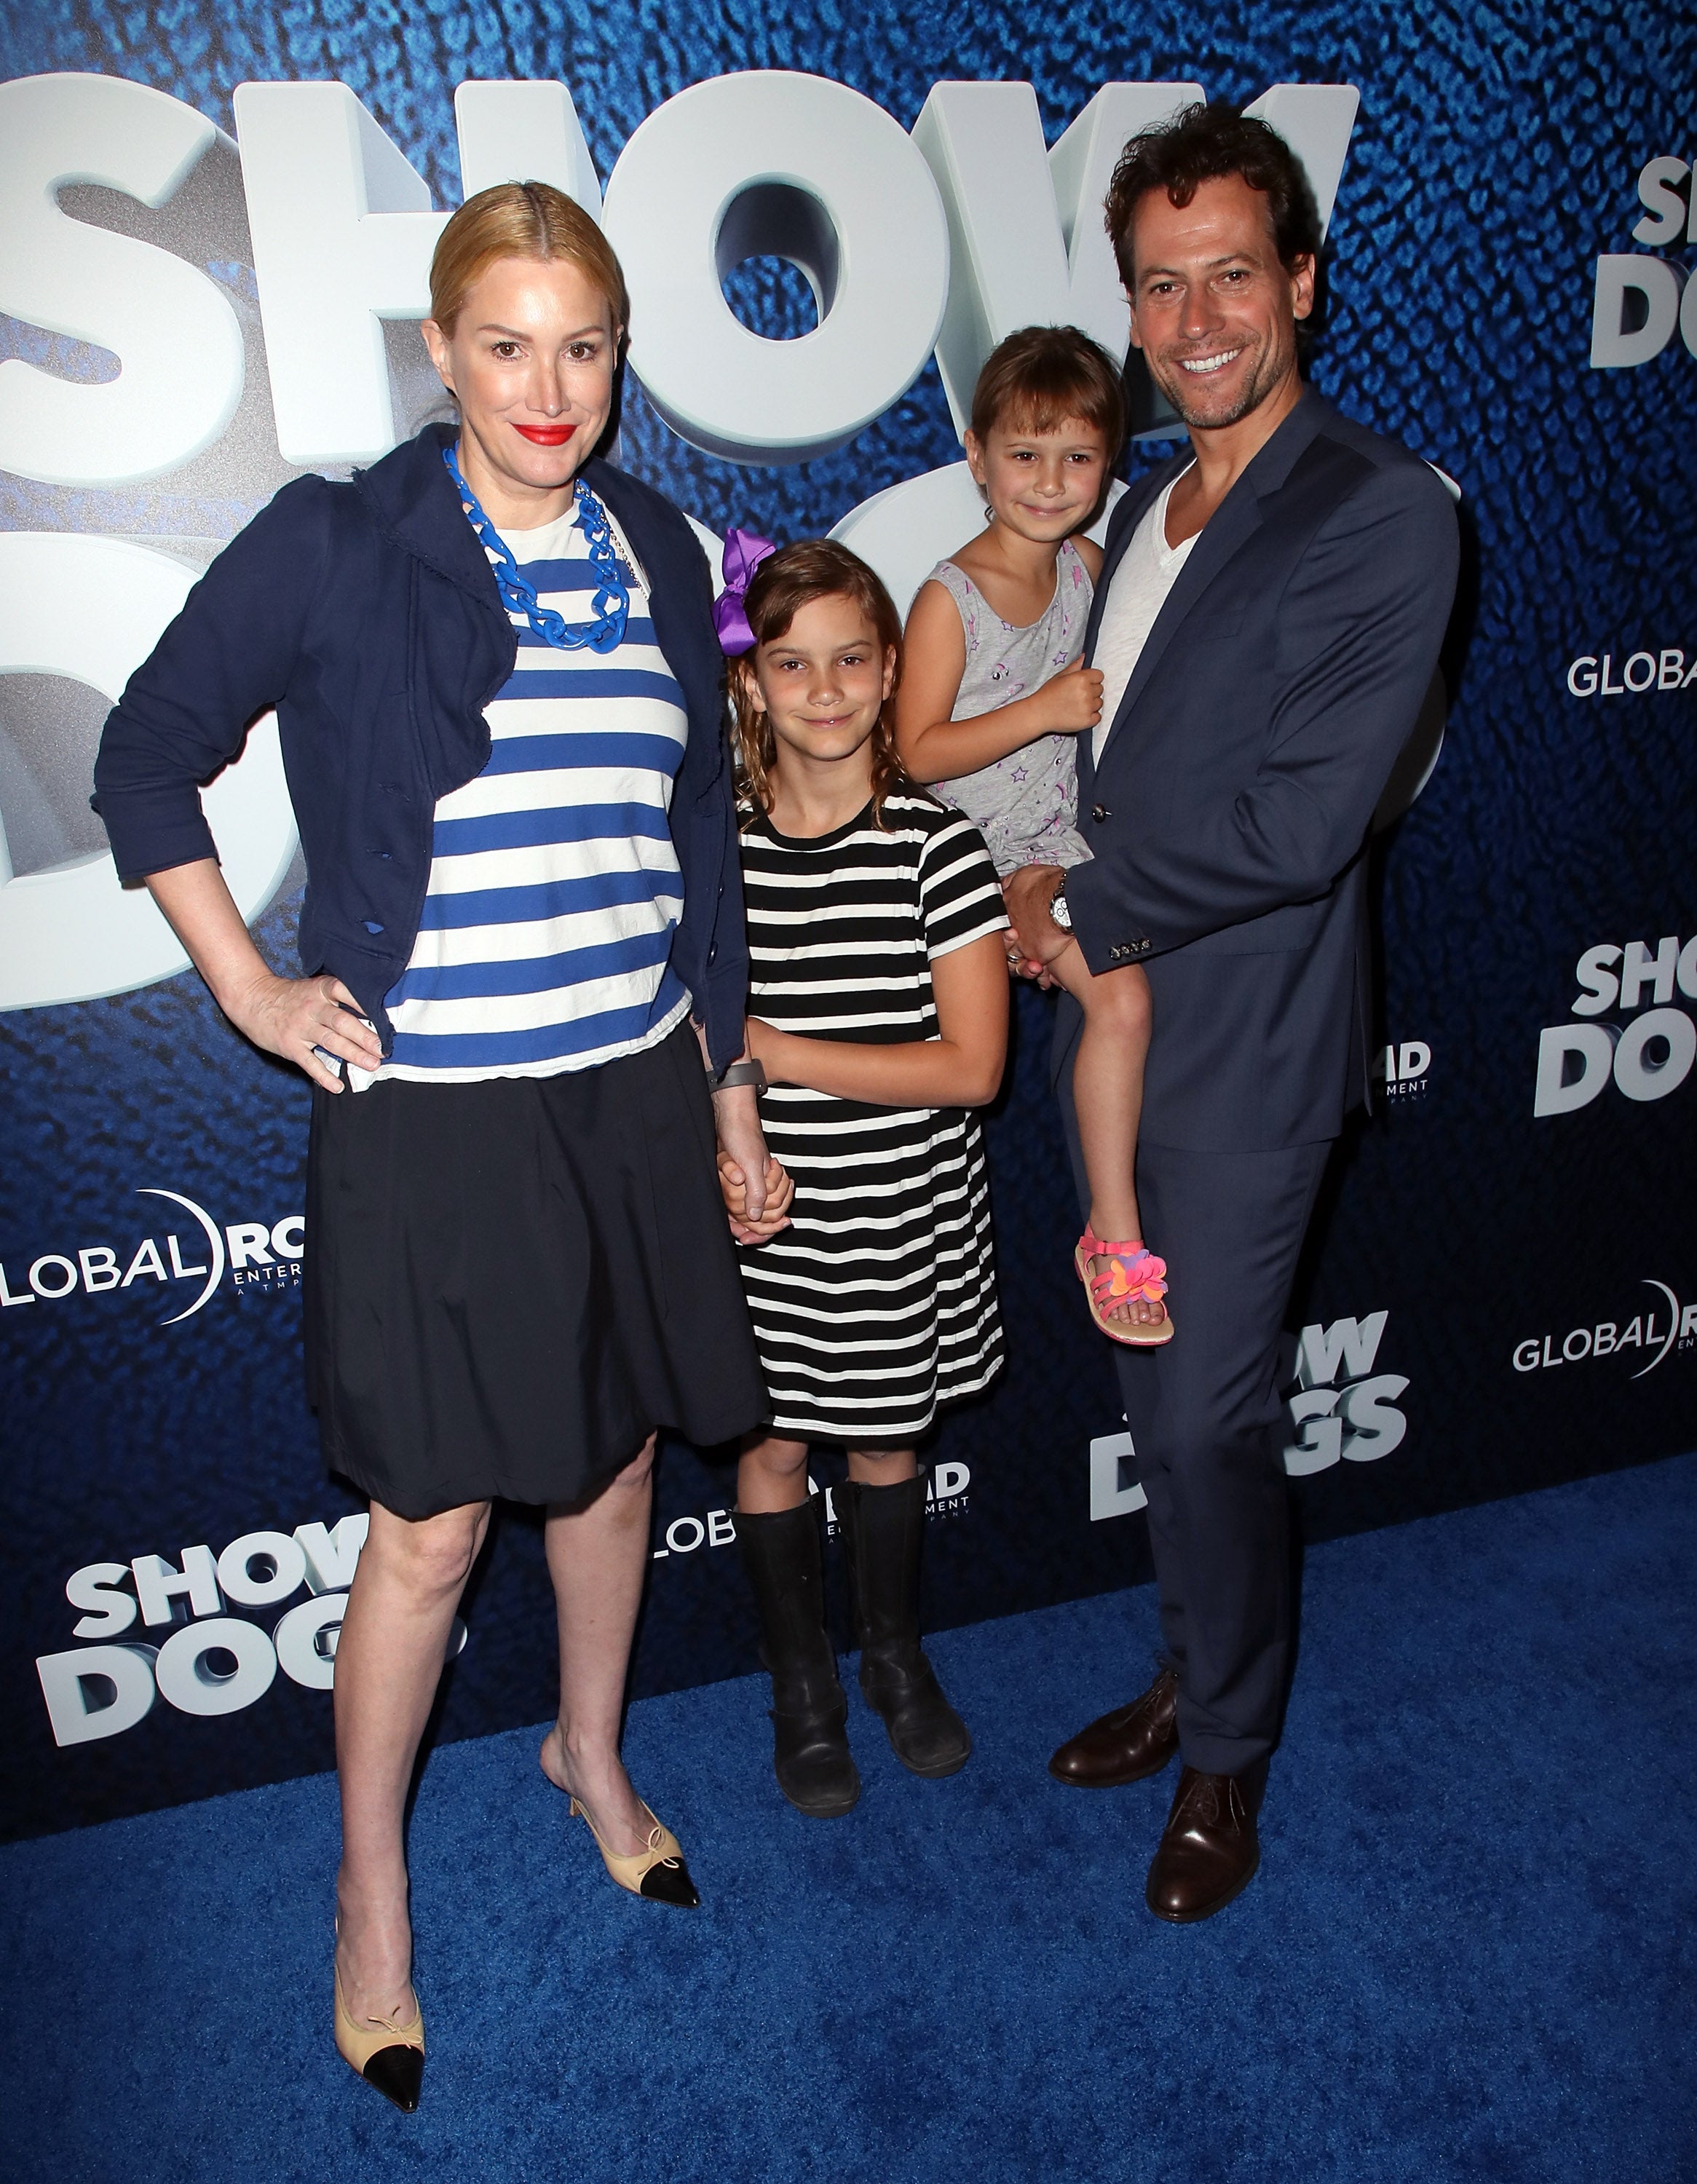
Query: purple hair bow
[{"x": 743, "y": 554}]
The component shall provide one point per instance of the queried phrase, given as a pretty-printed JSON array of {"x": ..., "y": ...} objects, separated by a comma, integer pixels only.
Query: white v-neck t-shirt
[{"x": 1148, "y": 569}]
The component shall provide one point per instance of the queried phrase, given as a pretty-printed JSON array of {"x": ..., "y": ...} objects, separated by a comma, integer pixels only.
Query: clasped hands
[
  {"x": 1035, "y": 940},
  {"x": 758, "y": 1213}
]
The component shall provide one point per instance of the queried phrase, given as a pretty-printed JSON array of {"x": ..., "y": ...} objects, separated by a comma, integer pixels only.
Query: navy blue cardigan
[{"x": 367, "y": 614}]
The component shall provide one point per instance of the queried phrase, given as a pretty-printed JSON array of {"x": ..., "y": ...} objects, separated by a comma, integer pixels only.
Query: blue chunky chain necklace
[{"x": 611, "y": 606}]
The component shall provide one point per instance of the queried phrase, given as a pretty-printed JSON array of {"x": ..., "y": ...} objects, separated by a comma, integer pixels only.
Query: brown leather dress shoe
[
  {"x": 1208, "y": 1851},
  {"x": 1125, "y": 1745}
]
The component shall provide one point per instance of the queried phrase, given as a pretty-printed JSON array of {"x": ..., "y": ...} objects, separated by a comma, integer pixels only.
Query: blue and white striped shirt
[{"x": 554, "y": 890}]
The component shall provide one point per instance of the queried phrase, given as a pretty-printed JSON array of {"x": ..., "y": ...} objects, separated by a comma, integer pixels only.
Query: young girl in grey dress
[{"x": 994, "y": 695}]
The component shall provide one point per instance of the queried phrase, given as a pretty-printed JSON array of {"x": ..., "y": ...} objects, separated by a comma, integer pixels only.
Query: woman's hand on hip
[
  {"x": 291, "y": 1017},
  {"x": 286, "y": 1017}
]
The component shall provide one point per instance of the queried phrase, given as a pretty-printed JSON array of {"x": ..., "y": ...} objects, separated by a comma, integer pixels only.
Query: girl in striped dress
[{"x": 878, "y": 1003}]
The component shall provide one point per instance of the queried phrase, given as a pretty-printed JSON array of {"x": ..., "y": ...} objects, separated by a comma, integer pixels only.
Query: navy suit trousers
[{"x": 1208, "y": 1430}]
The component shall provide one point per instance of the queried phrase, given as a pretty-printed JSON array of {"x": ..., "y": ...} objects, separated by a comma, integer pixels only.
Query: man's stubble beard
[{"x": 1274, "y": 360}]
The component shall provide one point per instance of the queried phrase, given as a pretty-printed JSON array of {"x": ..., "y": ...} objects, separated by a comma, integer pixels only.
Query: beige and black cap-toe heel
[
  {"x": 387, "y": 2052},
  {"x": 657, "y": 1872}
]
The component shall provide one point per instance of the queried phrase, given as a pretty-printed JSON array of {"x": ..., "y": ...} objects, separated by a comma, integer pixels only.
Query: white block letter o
[
  {"x": 791, "y": 166},
  {"x": 236, "y": 1575},
  {"x": 1643, "y": 1079},
  {"x": 191, "y": 1685}
]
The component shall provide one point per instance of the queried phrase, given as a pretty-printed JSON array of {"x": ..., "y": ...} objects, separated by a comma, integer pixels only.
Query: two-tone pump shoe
[
  {"x": 657, "y": 1871},
  {"x": 388, "y": 2052}
]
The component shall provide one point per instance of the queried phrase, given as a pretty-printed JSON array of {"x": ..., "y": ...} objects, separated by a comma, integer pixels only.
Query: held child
[
  {"x": 994, "y": 696},
  {"x": 878, "y": 1009}
]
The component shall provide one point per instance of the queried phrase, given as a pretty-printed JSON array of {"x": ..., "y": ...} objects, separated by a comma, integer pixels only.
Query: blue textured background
[{"x": 1495, "y": 156}]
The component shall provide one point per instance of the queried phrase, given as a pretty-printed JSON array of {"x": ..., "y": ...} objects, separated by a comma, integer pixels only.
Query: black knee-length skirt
[{"x": 510, "y": 1284}]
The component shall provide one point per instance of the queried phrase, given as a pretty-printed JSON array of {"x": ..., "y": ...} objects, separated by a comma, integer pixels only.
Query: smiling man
[{"x": 1267, "y": 624}]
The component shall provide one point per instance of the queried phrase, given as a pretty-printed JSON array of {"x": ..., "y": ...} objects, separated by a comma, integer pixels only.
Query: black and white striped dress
[{"x": 878, "y": 1302}]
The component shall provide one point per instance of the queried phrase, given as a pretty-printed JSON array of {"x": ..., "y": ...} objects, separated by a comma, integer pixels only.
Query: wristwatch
[
  {"x": 1057, "y": 906},
  {"x": 738, "y": 1073}
]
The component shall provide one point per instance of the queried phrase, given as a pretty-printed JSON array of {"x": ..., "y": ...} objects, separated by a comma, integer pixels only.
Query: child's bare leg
[
  {"x": 771, "y": 1474},
  {"x": 1108, "y": 1099},
  {"x": 882, "y": 1467}
]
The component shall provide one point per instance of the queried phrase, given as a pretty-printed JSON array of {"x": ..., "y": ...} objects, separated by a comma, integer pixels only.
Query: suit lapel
[
  {"x": 1238, "y": 518},
  {"x": 1122, "y": 527},
  {"x": 1235, "y": 518},
  {"x": 413, "y": 498}
]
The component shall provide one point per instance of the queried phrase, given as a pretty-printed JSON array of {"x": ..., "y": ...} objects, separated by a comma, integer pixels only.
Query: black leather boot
[
  {"x": 881, "y": 1529},
  {"x": 810, "y": 1710}
]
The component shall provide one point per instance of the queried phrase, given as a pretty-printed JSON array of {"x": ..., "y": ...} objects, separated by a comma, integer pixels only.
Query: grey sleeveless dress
[{"x": 1026, "y": 805}]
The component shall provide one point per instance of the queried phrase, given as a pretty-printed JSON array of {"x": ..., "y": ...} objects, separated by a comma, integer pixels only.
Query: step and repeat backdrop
[{"x": 215, "y": 228}]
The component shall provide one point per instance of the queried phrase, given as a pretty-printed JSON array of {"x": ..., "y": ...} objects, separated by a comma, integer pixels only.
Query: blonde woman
[{"x": 494, "y": 664}]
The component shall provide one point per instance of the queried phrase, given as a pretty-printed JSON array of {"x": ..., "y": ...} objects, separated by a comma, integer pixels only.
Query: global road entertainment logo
[
  {"x": 264, "y": 1255},
  {"x": 1645, "y": 1340}
]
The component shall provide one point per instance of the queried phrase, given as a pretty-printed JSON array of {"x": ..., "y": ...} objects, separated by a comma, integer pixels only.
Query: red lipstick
[{"x": 547, "y": 436}]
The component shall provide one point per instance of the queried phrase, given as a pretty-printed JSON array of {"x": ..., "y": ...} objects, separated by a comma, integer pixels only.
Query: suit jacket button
[{"x": 1099, "y": 812}]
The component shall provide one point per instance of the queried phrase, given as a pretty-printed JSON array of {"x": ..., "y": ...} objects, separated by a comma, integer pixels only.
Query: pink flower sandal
[{"x": 1133, "y": 1271}]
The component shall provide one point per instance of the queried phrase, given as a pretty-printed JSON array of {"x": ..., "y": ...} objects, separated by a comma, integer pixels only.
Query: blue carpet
[{"x": 1469, "y": 1954}]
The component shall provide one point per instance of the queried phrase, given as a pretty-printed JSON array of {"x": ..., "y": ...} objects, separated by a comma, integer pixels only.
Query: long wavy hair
[{"x": 785, "y": 583}]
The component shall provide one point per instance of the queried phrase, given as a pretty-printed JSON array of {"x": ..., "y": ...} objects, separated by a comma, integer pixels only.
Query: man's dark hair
[{"x": 1204, "y": 144}]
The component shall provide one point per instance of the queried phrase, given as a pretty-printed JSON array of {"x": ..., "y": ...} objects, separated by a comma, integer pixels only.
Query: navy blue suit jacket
[
  {"x": 367, "y": 614},
  {"x": 1228, "y": 814}
]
